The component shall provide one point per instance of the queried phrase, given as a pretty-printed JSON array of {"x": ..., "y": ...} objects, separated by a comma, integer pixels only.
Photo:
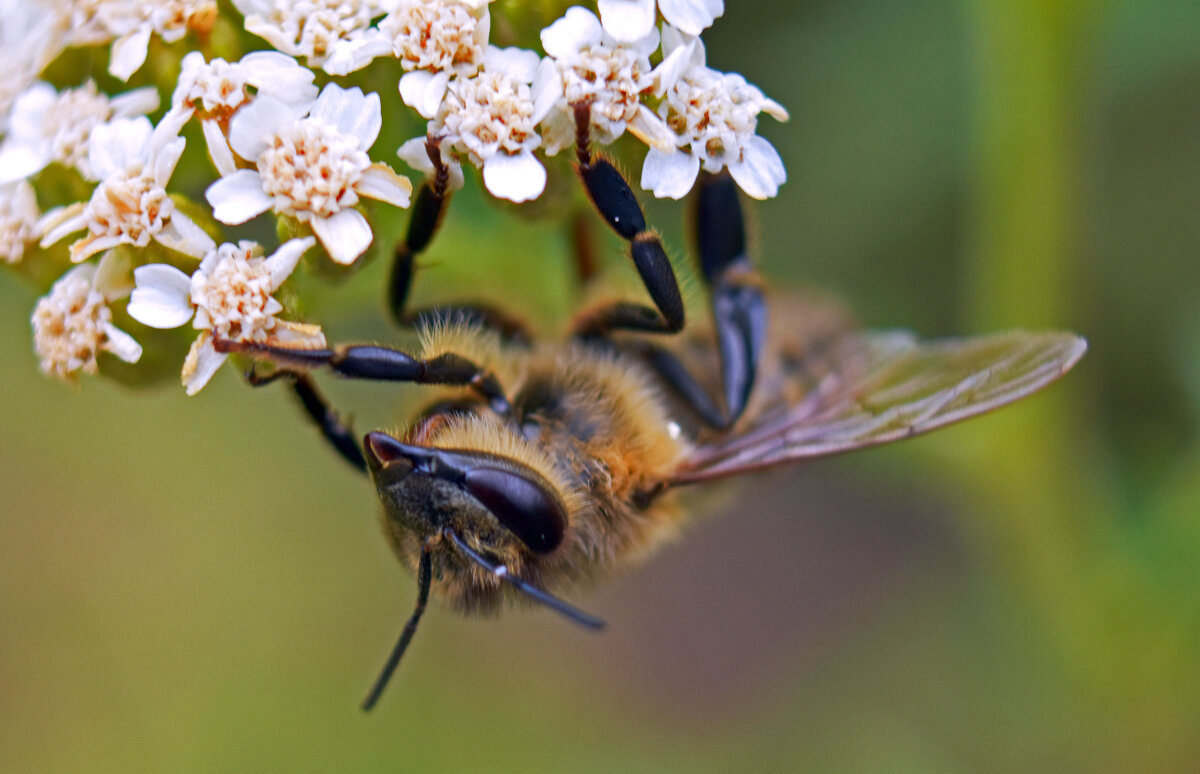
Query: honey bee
[{"x": 545, "y": 463}]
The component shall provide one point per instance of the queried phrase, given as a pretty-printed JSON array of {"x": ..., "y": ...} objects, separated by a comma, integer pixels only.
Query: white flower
[
  {"x": 415, "y": 153},
  {"x": 130, "y": 23},
  {"x": 609, "y": 76},
  {"x": 629, "y": 20},
  {"x": 134, "y": 162},
  {"x": 229, "y": 297},
  {"x": 18, "y": 220},
  {"x": 73, "y": 323},
  {"x": 714, "y": 117},
  {"x": 215, "y": 90},
  {"x": 434, "y": 40},
  {"x": 492, "y": 118},
  {"x": 312, "y": 165},
  {"x": 314, "y": 29},
  {"x": 32, "y": 34},
  {"x": 47, "y": 126}
]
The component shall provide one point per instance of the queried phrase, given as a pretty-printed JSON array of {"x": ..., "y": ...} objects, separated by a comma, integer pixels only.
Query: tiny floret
[
  {"x": 317, "y": 30},
  {"x": 216, "y": 90},
  {"x": 46, "y": 125},
  {"x": 608, "y": 76},
  {"x": 73, "y": 322},
  {"x": 311, "y": 164},
  {"x": 492, "y": 119},
  {"x": 130, "y": 23},
  {"x": 18, "y": 220},
  {"x": 134, "y": 163},
  {"x": 714, "y": 117},
  {"x": 228, "y": 297}
]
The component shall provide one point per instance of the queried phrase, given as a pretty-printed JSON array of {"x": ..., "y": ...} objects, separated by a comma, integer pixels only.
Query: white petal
[
  {"x": 299, "y": 335},
  {"x": 423, "y": 91},
  {"x": 350, "y": 55},
  {"x": 162, "y": 298},
  {"x": 238, "y": 198},
  {"x": 518, "y": 63},
  {"x": 138, "y": 102},
  {"x": 19, "y": 160},
  {"x": 352, "y": 112},
  {"x": 182, "y": 234},
  {"x": 691, "y": 16},
  {"x": 517, "y": 178},
  {"x": 129, "y": 53},
  {"x": 280, "y": 76},
  {"x": 547, "y": 89},
  {"x": 165, "y": 160},
  {"x": 673, "y": 40},
  {"x": 564, "y": 38},
  {"x": 670, "y": 175},
  {"x": 201, "y": 363},
  {"x": 253, "y": 124},
  {"x": 218, "y": 147},
  {"x": 652, "y": 130},
  {"x": 345, "y": 235},
  {"x": 61, "y": 221},
  {"x": 121, "y": 343},
  {"x": 117, "y": 146},
  {"x": 113, "y": 278},
  {"x": 380, "y": 182},
  {"x": 413, "y": 153},
  {"x": 760, "y": 171},
  {"x": 626, "y": 20},
  {"x": 283, "y": 261}
]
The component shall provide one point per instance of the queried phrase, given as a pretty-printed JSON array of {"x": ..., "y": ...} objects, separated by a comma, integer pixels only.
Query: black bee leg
[
  {"x": 428, "y": 208},
  {"x": 338, "y": 433},
  {"x": 365, "y": 361},
  {"x": 613, "y": 197},
  {"x": 738, "y": 307}
]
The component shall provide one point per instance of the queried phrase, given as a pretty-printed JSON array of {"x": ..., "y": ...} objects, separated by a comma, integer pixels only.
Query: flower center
[
  {"x": 216, "y": 89},
  {"x": 611, "y": 79},
  {"x": 129, "y": 205},
  {"x": 234, "y": 299},
  {"x": 69, "y": 327},
  {"x": 311, "y": 170},
  {"x": 489, "y": 112},
  {"x": 70, "y": 120},
  {"x": 714, "y": 115},
  {"x": 315, "y": 25},
  {"x": 435, "y": 36}
]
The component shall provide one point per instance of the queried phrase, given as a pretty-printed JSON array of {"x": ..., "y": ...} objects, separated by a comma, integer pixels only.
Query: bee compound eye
[{"x": 526, "y": 508}]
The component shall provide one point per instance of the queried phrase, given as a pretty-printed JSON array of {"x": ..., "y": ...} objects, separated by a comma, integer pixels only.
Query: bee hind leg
[{"x": 738, "y": 307}]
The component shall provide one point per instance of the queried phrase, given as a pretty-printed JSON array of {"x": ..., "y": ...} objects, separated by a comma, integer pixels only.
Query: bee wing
[{"x": 880, "y": 387}]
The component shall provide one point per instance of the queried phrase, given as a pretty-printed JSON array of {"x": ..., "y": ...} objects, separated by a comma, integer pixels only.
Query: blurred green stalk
[{"x": 1049, "y": 509}]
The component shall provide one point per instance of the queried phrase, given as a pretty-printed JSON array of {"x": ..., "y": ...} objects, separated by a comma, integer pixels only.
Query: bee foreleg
[
  {"x": 368, "y": 361},
  {"x": 338, "y": 433}
]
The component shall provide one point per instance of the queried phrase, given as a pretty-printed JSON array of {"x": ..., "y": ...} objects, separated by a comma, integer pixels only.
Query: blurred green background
[{"x": 199, "y": 585}]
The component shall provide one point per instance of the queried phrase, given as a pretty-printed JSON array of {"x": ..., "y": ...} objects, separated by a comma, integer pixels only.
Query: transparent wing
[{"x": 880, "y": 387}]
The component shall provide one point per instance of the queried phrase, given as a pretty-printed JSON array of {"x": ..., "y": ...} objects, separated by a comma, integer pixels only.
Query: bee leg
[
  {"x": 338, "y": 433},
  {"x": 738, "y": 307},
  {"x": 366, "y": 361},
  {"x": 428, "y": 208},
  {"x": 614, "y": 199}
]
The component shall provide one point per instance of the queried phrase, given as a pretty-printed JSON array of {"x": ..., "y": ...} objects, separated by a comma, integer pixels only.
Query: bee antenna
[
  {"x": 528, "y": 589},
  {"x": 424, "y": 579}
]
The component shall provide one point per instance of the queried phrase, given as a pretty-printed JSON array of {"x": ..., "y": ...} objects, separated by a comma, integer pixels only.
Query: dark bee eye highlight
[{"x": 526, "y": 508}]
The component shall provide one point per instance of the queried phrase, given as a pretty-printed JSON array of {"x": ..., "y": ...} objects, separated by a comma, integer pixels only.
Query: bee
[{"x": 542, "y": 464}]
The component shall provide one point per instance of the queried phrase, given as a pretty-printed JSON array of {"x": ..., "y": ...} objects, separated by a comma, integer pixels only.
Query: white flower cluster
[{"x": 279, "y": 144}]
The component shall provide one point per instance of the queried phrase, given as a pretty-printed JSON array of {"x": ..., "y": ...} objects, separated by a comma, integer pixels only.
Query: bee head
[{"x": 425, "y": 489}]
